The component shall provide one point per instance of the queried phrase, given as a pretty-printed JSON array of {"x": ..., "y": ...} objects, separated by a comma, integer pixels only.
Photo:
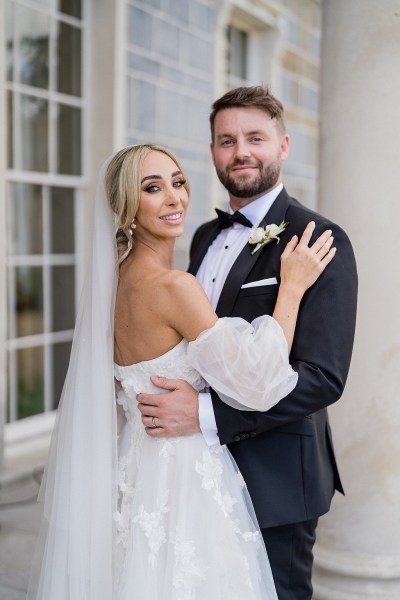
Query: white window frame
[
  {"x": 42, "y": 423},
  {"x": 3, "y": 269}
]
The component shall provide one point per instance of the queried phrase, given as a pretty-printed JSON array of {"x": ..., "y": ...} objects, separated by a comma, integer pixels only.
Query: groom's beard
[{"x": 242, "y": 187}]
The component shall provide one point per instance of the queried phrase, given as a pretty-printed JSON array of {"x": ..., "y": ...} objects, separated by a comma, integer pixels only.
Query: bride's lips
[{"x": 174, "y": 218}]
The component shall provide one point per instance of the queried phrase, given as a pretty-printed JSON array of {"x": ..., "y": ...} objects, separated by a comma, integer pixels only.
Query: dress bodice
[
  {"x": 233, "y": 357},
  {"x": 173, "y": 364}
]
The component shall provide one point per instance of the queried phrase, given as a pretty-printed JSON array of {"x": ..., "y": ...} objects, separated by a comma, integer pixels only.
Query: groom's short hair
[{"x": 257, "y": 96}]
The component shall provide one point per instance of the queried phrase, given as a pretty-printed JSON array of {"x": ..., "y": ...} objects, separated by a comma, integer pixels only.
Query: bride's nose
[{"x": 172, "y": 196}]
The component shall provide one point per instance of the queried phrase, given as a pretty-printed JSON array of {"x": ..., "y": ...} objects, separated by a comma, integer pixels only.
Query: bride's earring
[{"x": 129, "y": 234}]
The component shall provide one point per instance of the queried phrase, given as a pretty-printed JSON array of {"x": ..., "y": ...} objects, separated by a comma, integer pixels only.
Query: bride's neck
[{"x": 158, "y": 252}]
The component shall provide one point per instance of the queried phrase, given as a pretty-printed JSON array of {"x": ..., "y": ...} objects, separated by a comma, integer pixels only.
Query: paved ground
[{"x": 19, "y": 523}]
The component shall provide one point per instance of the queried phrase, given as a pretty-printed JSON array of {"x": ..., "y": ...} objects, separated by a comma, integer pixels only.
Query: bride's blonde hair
[{"x": 123, "y": 189}]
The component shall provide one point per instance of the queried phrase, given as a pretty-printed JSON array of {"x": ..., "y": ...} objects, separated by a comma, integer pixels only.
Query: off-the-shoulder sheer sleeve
[{"x": 246, "y": 363}]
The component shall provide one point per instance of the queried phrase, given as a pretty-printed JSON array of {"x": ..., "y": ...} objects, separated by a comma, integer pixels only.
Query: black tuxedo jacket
[{"x": 286, "y": 454}]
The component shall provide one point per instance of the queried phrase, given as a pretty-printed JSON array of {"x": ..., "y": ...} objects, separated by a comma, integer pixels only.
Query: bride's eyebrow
[
  {"x": 174, "y": 174},
  {"x": 151, "y": 177}
]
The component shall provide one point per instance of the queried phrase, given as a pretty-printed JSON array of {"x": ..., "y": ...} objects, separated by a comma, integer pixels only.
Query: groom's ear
[{"x": 285, "y": 144}]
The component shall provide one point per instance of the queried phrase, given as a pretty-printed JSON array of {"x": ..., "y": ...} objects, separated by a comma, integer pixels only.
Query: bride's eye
[
  {"x": 179, "y": 183},
  {"x": 152, "y": 188}
]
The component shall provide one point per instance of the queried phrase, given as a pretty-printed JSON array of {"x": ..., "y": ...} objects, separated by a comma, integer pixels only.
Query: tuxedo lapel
[
  {"x": 208, "y": 236},
  {"x": 246, "y": 261}
]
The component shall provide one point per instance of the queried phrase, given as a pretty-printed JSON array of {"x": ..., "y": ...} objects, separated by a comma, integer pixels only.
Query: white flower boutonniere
[{"x": 262, "y": 236}]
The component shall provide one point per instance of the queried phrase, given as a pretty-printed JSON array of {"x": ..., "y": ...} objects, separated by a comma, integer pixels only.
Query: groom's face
[{"x": 248, "y": 150}]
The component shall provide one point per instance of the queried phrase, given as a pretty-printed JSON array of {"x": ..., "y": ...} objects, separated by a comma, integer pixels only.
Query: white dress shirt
[{"x": 212, "y": 274}]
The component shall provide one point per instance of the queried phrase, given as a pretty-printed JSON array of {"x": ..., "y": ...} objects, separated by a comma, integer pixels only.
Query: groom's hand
[{"x": 173, "y": 414}]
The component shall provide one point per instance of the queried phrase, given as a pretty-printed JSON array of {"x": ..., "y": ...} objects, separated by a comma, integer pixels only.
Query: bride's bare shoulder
[
  {"x": 192, "y": 312},
  {"x": 183, "y": 286}
]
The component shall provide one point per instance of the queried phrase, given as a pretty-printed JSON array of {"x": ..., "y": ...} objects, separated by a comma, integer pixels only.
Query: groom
[{"x": 285, "y": 454}]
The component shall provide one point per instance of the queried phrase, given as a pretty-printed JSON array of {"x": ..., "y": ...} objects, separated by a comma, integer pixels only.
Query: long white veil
[{"x": 74, "y": 554}]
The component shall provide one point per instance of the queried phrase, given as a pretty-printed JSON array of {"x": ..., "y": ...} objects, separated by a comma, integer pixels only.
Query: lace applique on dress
[
  {"x": 189, "y": 571},
  {"x": 152, "y": 526}
]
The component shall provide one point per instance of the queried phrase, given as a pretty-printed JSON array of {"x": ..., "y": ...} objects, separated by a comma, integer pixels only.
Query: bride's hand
[{"x": 301, "y": 264}]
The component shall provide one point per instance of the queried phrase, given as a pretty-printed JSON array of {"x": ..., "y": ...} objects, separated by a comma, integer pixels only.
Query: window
[
  {"x": 45, "y": 116},
  {"x": 238, "y": 50},
  {"x": 250, "y": 49},
  {"x": 300, "y": 92}
]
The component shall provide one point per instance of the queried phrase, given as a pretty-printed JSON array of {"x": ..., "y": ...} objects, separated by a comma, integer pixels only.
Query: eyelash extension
[{"x": 154, "y": 185}]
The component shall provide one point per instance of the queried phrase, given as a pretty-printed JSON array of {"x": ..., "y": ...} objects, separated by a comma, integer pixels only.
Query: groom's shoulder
[
  {"x": 203, "y": 229},
  {"x": 300, "y": 215}
]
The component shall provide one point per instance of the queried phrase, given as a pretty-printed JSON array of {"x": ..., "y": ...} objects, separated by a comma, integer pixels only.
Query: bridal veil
[{"x": 74, "y": 553}]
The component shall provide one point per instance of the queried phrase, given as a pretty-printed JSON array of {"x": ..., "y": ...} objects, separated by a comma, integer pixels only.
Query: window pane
[
  {"x": 25, "y": 210},
  {"x": 61, "y": 354},
  {"x": 29, "y": 300},
  {"x": 290, "y": 90},
  {"x": 27, "y": 130},
  {"x": 69, "y": 60},
  {"x": 8, "y": 414},
  {"x": 10, "y": 41},
  {"x": 62, "y": 221},
  {"x": 293, "y": 33},
  {"x": 63, "y": 298},
  {"x": 31, "y": 47},
  {"x": 309, "y": 98},
  {"x": 10, "y": 130},
  {"x": 30, "y": 382},
  {"x": 71, "y": 7},
  {"x": 238, "y": 49},
  {"x": 69, "y": 140}
]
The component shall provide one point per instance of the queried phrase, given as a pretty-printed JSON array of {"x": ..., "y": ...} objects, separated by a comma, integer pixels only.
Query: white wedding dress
[{"x": 184, "y": 526}]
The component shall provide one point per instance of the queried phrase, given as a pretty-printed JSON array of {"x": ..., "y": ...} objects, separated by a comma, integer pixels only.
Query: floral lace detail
[
  {"x": 225, "y": 502},
  {"x": 167, "y": 450},
  {"x": 189, "y": 572},
  {"x": 252, "y": 536},
  {"x": 136, "y": 378},
  {"x": 210, "y": 470},
  {"x": 123, "y": 400},
  {"x": 151, "y": 525},
  {"x": 242, "y": 483}
]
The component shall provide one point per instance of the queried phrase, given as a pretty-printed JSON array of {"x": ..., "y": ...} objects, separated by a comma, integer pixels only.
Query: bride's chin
[{"x": 173, "y": 230}]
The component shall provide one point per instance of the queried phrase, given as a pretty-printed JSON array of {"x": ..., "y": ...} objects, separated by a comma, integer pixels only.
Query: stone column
[{"x": 358, "y": 547}]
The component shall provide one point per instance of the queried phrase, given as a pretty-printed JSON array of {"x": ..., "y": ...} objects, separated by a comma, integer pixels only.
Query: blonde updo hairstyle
[{"x": 123, "y": 189}]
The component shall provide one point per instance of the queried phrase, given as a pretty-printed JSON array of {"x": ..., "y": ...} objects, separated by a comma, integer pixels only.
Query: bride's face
[{"x": 163, "y": 199}]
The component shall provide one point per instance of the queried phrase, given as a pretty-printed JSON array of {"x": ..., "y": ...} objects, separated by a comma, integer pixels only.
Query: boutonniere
[{"x": 264, "y": 235}]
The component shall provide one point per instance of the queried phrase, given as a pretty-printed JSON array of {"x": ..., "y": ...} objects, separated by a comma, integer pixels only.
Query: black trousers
[{"x": 290, "y": 553}]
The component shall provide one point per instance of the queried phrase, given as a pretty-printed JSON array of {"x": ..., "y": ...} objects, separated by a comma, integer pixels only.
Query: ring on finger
[{"x": 153, "y": 422}]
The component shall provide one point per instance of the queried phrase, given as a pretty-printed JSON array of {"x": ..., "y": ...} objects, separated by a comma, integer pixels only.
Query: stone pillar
[{"x": 358, "y": 546}]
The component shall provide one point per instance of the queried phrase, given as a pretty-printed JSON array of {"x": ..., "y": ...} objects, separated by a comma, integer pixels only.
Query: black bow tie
[{"x": 226, "y": 220}]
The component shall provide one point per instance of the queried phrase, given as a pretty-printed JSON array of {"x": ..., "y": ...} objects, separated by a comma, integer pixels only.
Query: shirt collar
[{"x": 255, "y": 211}]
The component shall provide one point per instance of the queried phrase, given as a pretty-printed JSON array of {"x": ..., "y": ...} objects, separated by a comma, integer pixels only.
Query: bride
[{"x": 126, "y": 515}]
